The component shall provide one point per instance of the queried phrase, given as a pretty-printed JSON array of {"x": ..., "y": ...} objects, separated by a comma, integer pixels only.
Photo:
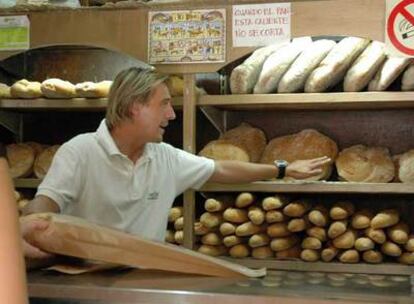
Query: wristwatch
[{"x": 281, "y": 166}]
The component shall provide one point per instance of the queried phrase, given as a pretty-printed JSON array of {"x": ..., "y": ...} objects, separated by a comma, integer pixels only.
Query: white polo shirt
[{"x": 90, "y": 178}]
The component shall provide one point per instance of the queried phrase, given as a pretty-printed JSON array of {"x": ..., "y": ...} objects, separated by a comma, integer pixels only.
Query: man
[{"x": 123, "y": 176}]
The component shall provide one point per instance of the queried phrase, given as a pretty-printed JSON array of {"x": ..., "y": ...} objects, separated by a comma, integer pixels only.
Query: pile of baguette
[
  {"x": 357, "y": 163},
  {"x": 175, "y": 233},
  {"x": 303, "y": 65},
  {"x": 55, "y": 88},
  {"x": 283, "y": 228},
  {"x": 30, "y": 159}
]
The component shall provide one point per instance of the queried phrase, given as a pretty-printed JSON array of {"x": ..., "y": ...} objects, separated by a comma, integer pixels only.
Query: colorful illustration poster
[
  {"x": 14, "y": 33},
  {"x": 193, "y": 36}
]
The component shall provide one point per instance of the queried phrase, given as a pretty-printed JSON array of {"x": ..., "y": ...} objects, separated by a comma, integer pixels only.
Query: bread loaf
[
  {"x": 295, "y": 77},
  {"x": 306, "y": 144},
  {"x": 244, "y": 77},
  {"x": 44, "y": 160},
  {"x": 405, "y": 167},
  {"x": 58, "y": 88},
  {"x": 365, "y": 164},
  {"x": 175, "y": 85},
  {"x": 224, "y": 149},
  {"x": 385, "y": 218},
  {"x": 263, "y": 252},
  {"x": 388, "y": 72},
  {"x": 20, "y": 158},
  {"x": 333, "y": 68},
  {"x": 26, "y": 89},
  {"x": 90, "y": 89},
  {"x": 253, "y": 139},
  {"x": 4, "y": 91},
  {"x": 364, "y": 67},
  {"x": 407, "y": 81},
  {"x": 277, "y": 64}
]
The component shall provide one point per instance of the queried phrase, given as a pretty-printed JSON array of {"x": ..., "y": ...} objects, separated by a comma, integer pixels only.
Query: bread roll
[
  {"x": 179, "y": 237},
  {"x": 364, "y": 68},
  {"x": 385, "y": 218},
  {"x": 372, "y": 256},
  {"x": 277, "y": 64},
  {"x": 409, "y": 246},
  {"x": 248, "y": 229},
  {"x": 294, "y": 79},
  {"x": 364, "y": 244},
  {"x": 239, "y": 251},
  {"x": 377, "y": 235},
  {"x": 346, "y": 240},
  {"x": 341, "y": 210},
  {"x": 361, "y": 219},
  {"x": 317, "y": 232},
  {"x": 329, "y": 253},
  {"x": 211, "y": 220},
  {"x": 256, "y": 215},
  {"x": 175, "y": 213},
  {"x": 349, "y": 256},
  {"x": 90, "y": 89},
  {"x": 306, "y": 144},
  {"x": 235, "y": 215},
  {"x": 200, "y": 229},
  {"x": 279, "y": 244},
  {"x": 298, "y": 224},
  {"x": 388, "y": 72},
  {"x": 366, "y": 165},
  {"x": 333, "y": 68},
  {"x": 297, "y": 208},
  {"x": 399, "y": 233},
  {"x": 290, "y": 253},
  {"x": 26, "y": 89},
  {"x": 212, "y": 250},
  {"x": 263, "y": 252},
  {"x": 21, "y": 158},
  {"x": 37, "y": 148},
  {"x": 244, "y": 199},
  {"x": 275, "y": 216},
  {"x": 407, "y": 82},
  {"x": 4, "y": 91},
  {"x": 337, "y": 228},
  {"x": 258, "y": 240},
  {"x": 215, "y": 205},
  {"x": 278, "y": 230},
  {"x": 310, "y": 255},
  {"x": 227, "y": 228},
  {"x": 175, "y": 85},
  {"x": 211, "y": 238},
  {"x": 311, "y": 243},
  {"x": 253, "y": 139},
  {"x": 58, "y": 88},
  {"x": 319, "y": 216},
  {"x": 274, "y": 202},
  {"x": 391, "y": 249},
  {"x": 407, "y": 258},
  {"x": 244, "y": 77},
  {"x": 44, "y": 160},
  {"x": 232, "y": 240},
  {"x": 405, "y": 168},
  {"x": 179, "y": 223}
]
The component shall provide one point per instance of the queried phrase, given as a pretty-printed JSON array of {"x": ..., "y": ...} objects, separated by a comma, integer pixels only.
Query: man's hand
[
  {"x": 301, "y": 169},
  {"x": 28, "y": 226}
]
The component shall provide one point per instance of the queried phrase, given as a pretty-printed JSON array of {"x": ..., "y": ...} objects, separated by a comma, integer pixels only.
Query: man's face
[{"x": 152, "y": 118}]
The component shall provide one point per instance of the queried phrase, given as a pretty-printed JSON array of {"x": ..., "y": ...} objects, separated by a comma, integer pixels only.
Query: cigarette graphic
[{"x": 407, "y": 29}]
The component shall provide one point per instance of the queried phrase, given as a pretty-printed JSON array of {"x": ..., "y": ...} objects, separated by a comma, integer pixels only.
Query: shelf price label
[{"x": 14, "y": 33}]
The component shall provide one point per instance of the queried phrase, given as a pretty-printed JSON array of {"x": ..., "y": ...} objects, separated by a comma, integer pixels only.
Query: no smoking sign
[{"x": 399, "y": 31}]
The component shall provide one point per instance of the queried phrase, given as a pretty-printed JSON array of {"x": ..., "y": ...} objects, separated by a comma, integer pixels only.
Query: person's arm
[
  {"x": 41, "y": 203},
  {"x": 242, "y": 172},
  {"x": 12, "y": 274}
]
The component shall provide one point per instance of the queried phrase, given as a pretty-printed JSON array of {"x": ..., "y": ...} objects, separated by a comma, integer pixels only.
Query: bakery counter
[{"x": 144, "y": 286}]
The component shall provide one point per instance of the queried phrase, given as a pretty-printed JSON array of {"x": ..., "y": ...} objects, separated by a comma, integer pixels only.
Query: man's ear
[{"x": 135, "y": 109}]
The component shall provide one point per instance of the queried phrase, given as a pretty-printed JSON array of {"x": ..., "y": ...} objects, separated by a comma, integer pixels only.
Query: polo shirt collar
[{"x": 108, "y": 144}]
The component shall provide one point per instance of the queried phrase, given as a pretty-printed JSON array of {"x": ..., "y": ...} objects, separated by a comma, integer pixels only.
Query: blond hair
[{"x": 130, "y": 86}]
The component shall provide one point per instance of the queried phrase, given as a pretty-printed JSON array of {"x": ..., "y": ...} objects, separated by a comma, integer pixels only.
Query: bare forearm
[
  {"x": 40, "y": 204},
  {"x": 241, "y": 172}
]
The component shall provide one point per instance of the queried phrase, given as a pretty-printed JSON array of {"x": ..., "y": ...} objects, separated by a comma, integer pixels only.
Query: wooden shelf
[
  {"x": 385, "y": 268},
  {"x": 75, "y": 104},
  {"x": 312, "y": 187},
  {"x": 312, "y": 101}
]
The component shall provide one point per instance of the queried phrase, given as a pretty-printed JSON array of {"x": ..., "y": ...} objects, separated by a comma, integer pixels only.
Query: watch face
[{"x": 281, "y": 163}]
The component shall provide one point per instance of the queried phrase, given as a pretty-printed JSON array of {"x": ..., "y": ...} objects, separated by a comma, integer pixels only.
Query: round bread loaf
[
  {"x": 44, "y": 160},
  {"x": 26, "y": 89},
  {"x": 405, "y": 167},
  {"x": 58, "y": 88},
  {"x": 4, "y": 91},
  {"x": 365, "y": 164},
  {"x": 90, "y": 89},
  {"x": 306, "y": 144},
  {"x": 21, "y": 158}
]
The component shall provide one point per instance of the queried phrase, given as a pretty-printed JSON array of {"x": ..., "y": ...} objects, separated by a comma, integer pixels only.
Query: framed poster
[{"x": 187, "y": 36}]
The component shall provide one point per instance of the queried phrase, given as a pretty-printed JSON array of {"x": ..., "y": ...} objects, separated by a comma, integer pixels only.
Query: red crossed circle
[{"x": 400, "y": 9}]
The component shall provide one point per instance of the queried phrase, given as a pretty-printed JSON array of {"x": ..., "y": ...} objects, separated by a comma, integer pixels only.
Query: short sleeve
[
  {"x": 191, "y": 171},
  {"x": 62, "y": 182}
]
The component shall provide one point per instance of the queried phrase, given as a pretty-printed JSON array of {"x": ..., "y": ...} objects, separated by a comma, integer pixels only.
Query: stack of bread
[
  {"x": 317, "y": 66},
  {"x": 282, "y": 228},
  {"x": 30, "y": 158},
  {"x": 175, "y": 233}
]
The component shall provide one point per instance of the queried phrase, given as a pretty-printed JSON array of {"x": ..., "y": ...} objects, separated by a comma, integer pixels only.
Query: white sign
[
  {"x": 14, "y": 33},
  {"x": 399, "y": 29},
  {"x": 261, "y": 24}
]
